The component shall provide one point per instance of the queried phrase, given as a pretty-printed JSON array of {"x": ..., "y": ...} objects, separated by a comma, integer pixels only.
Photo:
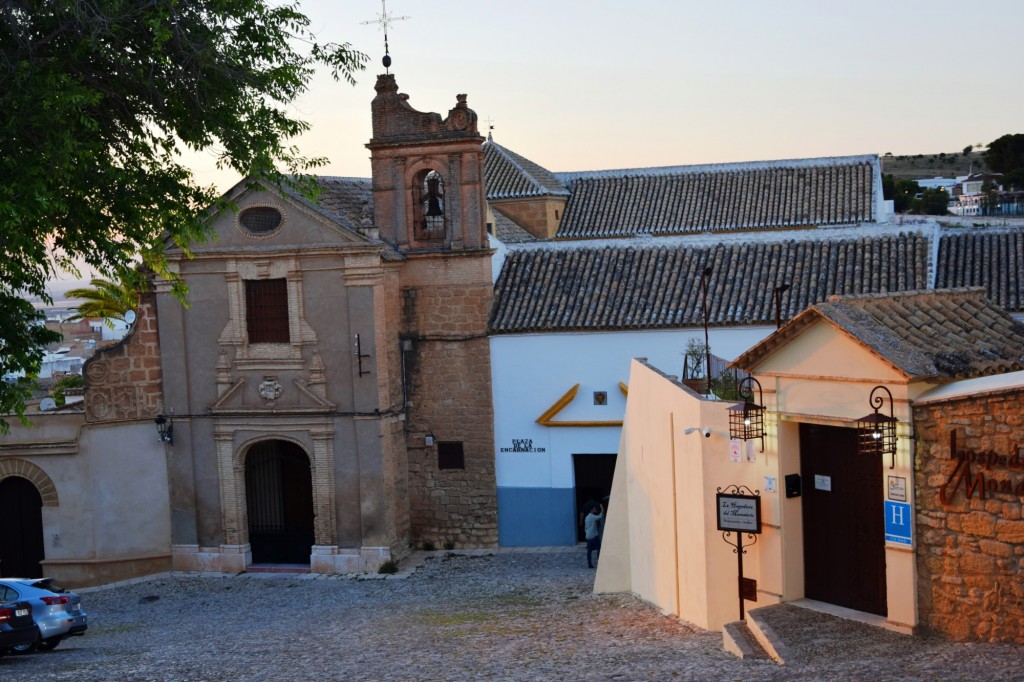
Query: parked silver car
[{"x": 57, "y": 613}]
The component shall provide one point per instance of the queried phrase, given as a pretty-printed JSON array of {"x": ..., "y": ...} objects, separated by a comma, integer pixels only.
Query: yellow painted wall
[
  {"x": 662, "y": 509},
  {"x": 661, "y": 540}
]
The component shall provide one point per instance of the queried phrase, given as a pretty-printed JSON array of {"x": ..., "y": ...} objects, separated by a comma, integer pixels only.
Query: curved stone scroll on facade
[
  {"x": 123, "y": 382},
  {"x": 35, "y": 475}
]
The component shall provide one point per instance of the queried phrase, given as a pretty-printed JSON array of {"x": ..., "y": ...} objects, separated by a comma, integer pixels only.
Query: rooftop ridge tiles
[
  {"x": 905, "y": 294},
  {"x": 736, "y": 166},
  {"x": 709, "y": 238}
]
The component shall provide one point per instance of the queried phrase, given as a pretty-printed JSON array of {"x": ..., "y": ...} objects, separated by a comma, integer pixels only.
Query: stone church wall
[
  {"x": 450, "y": 397},
  {"x": 970, "y": 533}
]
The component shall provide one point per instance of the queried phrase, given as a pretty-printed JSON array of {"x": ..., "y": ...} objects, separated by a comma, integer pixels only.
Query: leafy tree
[
  {"x": 105, "y": 299},
  {"x": 1006, "y": 156},
  {"x": 98, "y": 99},
  {"x": 60, "y": 387},
  {"x": 967, "y": 149},
  {"x": 932, "y": 201},
  {"x": 902, "y": 192}
]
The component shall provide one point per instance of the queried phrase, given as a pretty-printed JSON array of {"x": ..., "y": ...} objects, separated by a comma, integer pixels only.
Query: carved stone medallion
[{"x": 270, "y": 389}]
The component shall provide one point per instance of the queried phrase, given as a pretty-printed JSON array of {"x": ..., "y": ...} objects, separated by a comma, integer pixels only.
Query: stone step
[
  {"x": 739, "y": 641},
  {"x": 766, "y": 636}
]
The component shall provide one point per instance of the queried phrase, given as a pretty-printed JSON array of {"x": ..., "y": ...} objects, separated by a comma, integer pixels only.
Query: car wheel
[
  {"x": 48, "y": 644},
  {"x": 22, "y": 649}
]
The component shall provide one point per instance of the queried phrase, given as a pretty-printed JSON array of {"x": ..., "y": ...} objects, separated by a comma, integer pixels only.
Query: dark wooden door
[
  {"x": 279, "y": 501},
  {"x": 844, "y": 525},
  {"x": 21, "y": 529}
]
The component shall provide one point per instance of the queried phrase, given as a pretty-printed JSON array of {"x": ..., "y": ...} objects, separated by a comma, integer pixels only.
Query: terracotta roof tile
[
  {"x": 722, "y": 197},
  {"x": 508, "y": 175},
  {"x": 993, "y": 259},
  {"x": 937, "y": 334},
  {"x": 650, "y": 287},
  {"x": 953, "y": 333}
]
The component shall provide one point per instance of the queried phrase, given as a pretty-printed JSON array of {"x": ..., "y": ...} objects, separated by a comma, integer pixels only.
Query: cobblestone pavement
[{"x": 503, "y": 616}]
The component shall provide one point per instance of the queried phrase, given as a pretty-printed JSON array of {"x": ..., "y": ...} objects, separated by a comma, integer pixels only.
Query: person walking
[{"x": 593, "y": 524}]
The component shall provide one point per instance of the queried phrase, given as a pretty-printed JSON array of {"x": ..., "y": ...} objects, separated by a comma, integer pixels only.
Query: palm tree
[{"x": 104, "y": 299}]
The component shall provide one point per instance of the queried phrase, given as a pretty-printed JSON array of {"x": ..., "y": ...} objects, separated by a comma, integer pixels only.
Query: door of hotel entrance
[{"x": 844, "y": 533}]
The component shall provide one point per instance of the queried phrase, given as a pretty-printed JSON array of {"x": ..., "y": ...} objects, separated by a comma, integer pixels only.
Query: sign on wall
[
  {"x": 897, "y": 488},
  {"x": 522, "y": 445},
  {"x": 898, "y": 522}
]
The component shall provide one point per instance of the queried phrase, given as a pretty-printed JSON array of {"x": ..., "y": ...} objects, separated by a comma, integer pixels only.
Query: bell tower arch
[{"x": 428, "y": 191}]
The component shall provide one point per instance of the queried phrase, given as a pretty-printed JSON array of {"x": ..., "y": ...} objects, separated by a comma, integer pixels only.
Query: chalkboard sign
[{"x": 740, "y": 513}]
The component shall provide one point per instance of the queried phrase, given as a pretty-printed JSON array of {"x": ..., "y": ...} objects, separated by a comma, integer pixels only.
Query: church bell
[{"x": 433, "y": 199}]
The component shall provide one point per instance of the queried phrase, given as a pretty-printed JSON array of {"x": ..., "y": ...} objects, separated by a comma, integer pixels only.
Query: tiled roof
[
  {"x": 741, "y": 196},
  {"x": 986, "y": 258},
  {"x": 348, "y": 201},
  {"x": 952, "y": 333},
  {"x": 510, "y": 176},
  {"x": 508, "y": 231},
  {"x": 651, "y": 287}
]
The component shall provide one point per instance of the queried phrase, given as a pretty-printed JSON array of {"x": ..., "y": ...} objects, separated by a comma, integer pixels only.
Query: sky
[{"x": 576, "y": 85}]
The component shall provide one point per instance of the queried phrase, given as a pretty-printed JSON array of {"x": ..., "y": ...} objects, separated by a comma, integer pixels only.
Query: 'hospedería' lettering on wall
[{"x": 974, "y": 473}]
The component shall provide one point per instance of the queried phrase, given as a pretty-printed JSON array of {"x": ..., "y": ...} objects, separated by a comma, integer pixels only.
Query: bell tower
[
  {"x": 428, "y": 204},
  {"x": 428, "y": 189}
]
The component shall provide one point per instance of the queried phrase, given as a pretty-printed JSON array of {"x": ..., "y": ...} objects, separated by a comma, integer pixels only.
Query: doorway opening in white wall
[{"x": 592, "y": 477}]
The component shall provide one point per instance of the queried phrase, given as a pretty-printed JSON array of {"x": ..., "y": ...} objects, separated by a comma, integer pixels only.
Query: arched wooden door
[
  {"x": 279, "y": 501},
  {"x": 21, "y": 529}
]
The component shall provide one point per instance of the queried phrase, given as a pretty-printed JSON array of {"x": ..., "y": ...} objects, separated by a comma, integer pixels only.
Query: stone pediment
[
  {"x": 268, "y": 394},
  {"x": 270, "y": 219}
]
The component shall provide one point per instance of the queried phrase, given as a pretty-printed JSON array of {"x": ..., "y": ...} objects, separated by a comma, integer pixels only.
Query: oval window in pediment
[{"x": 260, "y": 220}]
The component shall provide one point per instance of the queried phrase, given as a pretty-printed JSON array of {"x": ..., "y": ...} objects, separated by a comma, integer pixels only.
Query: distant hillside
[{"x": 942, "y": 165}]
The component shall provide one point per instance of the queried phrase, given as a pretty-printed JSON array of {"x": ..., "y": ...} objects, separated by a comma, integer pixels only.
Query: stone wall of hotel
[{"x": 970, "y": 533}]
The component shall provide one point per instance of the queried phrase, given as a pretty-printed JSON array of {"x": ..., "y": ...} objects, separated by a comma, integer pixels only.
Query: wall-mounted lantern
[
  {"x": 876, "y": 432},
  {"x": 165, "y": 429},
  {"x": 746, "y": 419},
  {"x": 429, "y": 440}
]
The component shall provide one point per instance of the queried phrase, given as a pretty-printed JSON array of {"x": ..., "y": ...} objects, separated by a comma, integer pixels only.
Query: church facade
[
  {"x": 327, "y": 385},
  {"x": 335, "y": 404}
]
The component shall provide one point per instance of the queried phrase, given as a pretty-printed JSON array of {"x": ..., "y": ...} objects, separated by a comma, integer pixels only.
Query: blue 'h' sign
[{"x": 898, "y": 522}]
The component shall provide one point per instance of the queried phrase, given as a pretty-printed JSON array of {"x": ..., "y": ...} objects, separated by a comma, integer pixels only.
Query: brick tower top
[
  {"x": 428, "y": 186},
  {"x": 395, "y": 121}
]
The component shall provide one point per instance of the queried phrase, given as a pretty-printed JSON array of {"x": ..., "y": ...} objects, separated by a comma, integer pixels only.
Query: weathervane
[{"x": 384, "y": 20}]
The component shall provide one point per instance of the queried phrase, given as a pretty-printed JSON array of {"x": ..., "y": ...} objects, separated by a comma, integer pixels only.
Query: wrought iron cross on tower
[{"x": 384, "y": 20}]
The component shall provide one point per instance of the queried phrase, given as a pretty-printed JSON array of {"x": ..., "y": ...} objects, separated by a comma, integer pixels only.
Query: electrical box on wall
[{"x": 792, "y": 485}]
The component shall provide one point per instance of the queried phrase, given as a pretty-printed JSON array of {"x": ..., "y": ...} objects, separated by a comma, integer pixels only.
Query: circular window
[{"x": 260, "y": 219}]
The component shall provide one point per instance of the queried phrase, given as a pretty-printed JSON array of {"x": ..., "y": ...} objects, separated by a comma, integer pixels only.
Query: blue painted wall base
[{"x": 536, "y": 517}]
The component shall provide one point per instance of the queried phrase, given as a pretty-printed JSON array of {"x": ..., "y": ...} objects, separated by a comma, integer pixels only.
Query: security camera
[{"x": 707, "y": 433}]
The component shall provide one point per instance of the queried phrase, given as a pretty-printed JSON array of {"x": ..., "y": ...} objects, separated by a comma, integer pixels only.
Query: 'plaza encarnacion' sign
[
  {"x": 522, "y": 445},
  {"x": 981, "y": 481}
]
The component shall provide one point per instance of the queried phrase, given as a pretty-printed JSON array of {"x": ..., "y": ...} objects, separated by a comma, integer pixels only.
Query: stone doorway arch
[
  {"x": 21, "y": 528},
  {"x": 279, "y": 502}
]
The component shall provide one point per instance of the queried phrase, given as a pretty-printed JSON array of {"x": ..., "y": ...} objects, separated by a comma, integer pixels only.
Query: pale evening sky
[{"x": 590, "y": 85}]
